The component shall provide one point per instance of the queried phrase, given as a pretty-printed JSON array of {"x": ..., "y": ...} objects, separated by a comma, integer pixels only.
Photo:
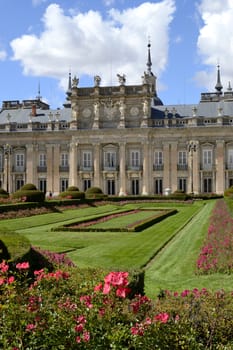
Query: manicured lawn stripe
[{"x": 174, "y": 267}]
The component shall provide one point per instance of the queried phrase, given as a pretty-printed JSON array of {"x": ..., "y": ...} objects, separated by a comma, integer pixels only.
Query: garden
[{"x": 167, "y": 285}]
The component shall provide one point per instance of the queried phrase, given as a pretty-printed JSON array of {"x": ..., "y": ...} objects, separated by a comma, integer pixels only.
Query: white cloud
[
  {"x": 3, "y": 55},
  {"x": 89, "y": 44},
  {"x": 215, "y": 41}
]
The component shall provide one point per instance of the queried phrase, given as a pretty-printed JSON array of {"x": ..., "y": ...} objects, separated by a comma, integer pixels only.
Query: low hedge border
[{"x": 140, "y": 226}]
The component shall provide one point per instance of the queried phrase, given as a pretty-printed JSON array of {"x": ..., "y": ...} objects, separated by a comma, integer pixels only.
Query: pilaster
[
  {"x": 122, "y": 185},
  {"x": 220, "y": 166}
]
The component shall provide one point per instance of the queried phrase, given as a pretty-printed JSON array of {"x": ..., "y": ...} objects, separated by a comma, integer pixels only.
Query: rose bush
[{"x": 62, "y": 310}]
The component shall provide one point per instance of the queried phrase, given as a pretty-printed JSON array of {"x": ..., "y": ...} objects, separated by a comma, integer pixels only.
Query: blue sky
[{"x": 41, "y": 40}]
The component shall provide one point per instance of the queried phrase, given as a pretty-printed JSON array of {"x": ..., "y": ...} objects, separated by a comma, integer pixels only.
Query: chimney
[{"x": 33, "y": 113}]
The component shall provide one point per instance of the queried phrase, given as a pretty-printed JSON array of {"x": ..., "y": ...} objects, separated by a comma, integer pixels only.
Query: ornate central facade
[{"x": 119, "y": 138}]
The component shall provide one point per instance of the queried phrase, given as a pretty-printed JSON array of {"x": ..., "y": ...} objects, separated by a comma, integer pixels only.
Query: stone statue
[
  {"x": 122, "y": 79},
  {"x": 96, "y": 109},
  {"x": 75, "y": 81},
  {"x": 97, "y": 80}
]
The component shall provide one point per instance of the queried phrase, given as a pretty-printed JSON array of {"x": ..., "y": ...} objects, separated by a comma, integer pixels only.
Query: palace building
[{"x": 119, "y": 138}]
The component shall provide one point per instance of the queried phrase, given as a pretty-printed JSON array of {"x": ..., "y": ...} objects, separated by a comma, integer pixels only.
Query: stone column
[
  {"x": 146, "y": 162},
  {"x": 122, "y": 185},
  {"x": 73, "y": 165},
  {"x": 31, "y": 165},
  {"x": 97, "y": 177},
  {"x": 196, "y": 169},
  {"x": 220, "y": 166},
  {"x": 50, "y": 169},
  {"x": 166, "y": 166},
  {"x": 173, "y": 166},
  {"x": 56, "y": 164}
]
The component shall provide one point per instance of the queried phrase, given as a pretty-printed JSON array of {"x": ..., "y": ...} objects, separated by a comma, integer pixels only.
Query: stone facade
[{"x": 120, "y": 138}]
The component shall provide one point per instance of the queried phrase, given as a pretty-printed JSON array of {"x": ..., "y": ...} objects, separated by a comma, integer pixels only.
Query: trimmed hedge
[
  {"x": 72, "y": 192},
  {"x": 29, "y": 193},
  {"x": 95, "y": 193}
]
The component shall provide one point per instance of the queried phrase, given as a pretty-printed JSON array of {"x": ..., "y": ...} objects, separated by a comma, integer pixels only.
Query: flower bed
[
  {"x": 65, "y": 309},
  {"x": 98, "y": 223},
  {"x": 216, "y": 254}
]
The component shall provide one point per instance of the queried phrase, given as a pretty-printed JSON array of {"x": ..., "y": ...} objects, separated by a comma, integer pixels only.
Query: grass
[{"x": 167, "y": 250}]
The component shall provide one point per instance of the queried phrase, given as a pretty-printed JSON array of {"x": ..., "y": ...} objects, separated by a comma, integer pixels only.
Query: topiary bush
[
  {"x": 29, "y": 193},
  {"x": 72, "y": 188},
  {"x": 72, "y": 192},
  {"x": 95, "y": 192}
]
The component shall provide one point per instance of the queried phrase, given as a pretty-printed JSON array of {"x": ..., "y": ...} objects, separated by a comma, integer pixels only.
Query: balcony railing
[
  {"x": 86, "y": 168},
  {"x": 182, "y": 166},
  {"x": 207, "y": 167},
  {"x": 157, "y": 167},
  {"x": 42, "y": 169},
  {"x": 18, "y": 169},
  {"x": 229, "y": 166},
  {"x": 134, "y": 167},
  {"x": 64, "y": 168},
  {"x": 110, "y": 167}
]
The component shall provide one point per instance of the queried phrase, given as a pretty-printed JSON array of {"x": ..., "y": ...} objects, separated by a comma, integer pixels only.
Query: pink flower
[
  {"x": 10, "y": 279},
  {"x": 137, "y": 330},
  {"x": 98, "y": 287},
  {"x": 106, "y": 288},
  {"x": 122, "y": 292},
  {"x": 79, "y": 328},
  {"x": 162, "y": 317},
  {"x": 87, "y": 301},
  {"x": 86, "y": 336},
  {"x": 4, "y": 267},
  {"x": 78, "y": 339},
  {"x": 30, "y": 327},
  {"x": 185, "y": 293},
  {"x": 22, "y": 266}
]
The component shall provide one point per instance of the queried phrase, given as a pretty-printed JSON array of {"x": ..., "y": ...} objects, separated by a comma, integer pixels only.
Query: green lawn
[{"x": 167, "y": 250}]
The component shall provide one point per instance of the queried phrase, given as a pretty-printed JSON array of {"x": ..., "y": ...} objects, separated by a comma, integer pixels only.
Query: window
[
  {"x": 182, "y": 184},
  {"x": 42, "y": 185},
  {"x": 207, "y": 185},
  {"x": 135, "y": 186},
  {"x": 230, "y": 159},
  {"x": 18, "y": 184},
  {"x": 19, "y": 162},
  {"x": 182, "y": 158},
  {"x": 207, "y": 159},
  {"x": 42, "y": 160},
  {"x": 64, "y": 159},
  {"x": 86, "y": 184},
  {"x": 135, "y": 158},
  {"x": 158, "y": 186},
  {"x": 64, "y": 183},
  {"x": 110, "y": 187},
  {"x": 1, "y": 162},
  {"x": 110, "y": 159},
  {"x": 87, "y": 162},
  {"x": 158, "y": 157}
]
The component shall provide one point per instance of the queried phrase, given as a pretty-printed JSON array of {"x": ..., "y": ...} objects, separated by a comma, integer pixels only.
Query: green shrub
[
  {"x": 28, "y": 187},
  {"x": 95, "y": 192},
  {"x": 72, "y": 188},
  {"x": 72, "y": 195},
  {"x": 29, "y": 193},
  {"x": 72, "y": 192},
  {"x": 228, "y": 192},
  {"x": 3, "y": 193}
]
